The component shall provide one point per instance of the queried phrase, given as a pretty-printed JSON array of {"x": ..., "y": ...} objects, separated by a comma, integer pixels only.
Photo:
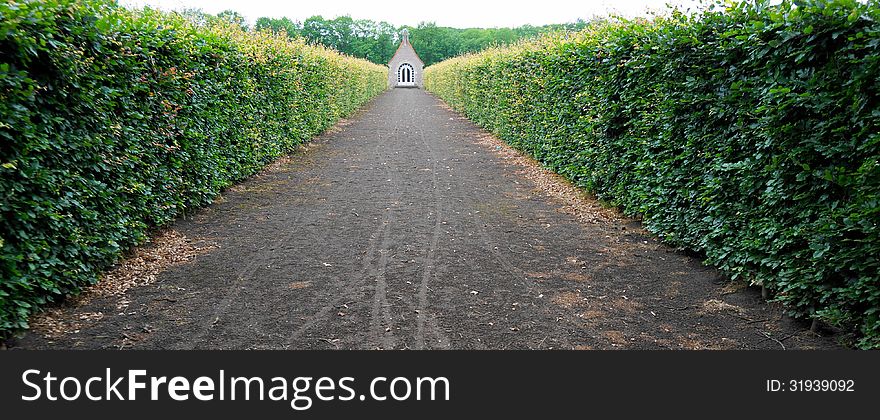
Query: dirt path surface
[{"x": 415, "y": 232}]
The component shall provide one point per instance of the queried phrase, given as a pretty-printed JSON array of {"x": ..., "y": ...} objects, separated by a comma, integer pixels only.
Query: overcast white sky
[{"x": 454, "y": 13}]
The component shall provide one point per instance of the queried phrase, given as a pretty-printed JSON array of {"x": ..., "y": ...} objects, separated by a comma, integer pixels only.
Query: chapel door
[{"x": 406, "y": 75}]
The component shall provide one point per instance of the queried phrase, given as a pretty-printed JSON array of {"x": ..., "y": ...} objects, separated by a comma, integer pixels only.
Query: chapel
[{"x": 405, "y": 67}]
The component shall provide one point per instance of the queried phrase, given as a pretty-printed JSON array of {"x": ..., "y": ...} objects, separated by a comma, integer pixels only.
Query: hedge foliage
[
  {"x": 115, "y": 121},
  {"x": 750, "y": 133}
]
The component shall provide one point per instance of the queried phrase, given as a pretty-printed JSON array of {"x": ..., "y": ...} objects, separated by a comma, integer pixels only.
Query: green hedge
[
  {"x": 115, "y": 121},
  {"x": 748, "y": 133}
]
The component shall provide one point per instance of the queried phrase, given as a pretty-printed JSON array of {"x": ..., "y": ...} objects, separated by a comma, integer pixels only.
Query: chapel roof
[{"x": 405, "y": 43}]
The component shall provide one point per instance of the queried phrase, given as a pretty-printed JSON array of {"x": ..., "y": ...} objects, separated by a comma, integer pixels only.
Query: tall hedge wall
[
  {"x": 115, "y": 121},
  {"x": 750, "y": 133}
]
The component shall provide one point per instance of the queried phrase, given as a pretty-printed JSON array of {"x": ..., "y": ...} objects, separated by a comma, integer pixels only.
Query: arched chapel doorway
[{"x": 406, "y": 75}]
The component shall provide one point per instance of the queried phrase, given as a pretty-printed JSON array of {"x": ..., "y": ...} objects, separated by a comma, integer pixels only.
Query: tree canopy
[{"x": 377, "y": 41}]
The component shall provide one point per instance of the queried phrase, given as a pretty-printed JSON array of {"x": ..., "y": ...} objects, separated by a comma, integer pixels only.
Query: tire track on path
[
  {"x": 321, "y": 315},
  {"x": 374, "y": 267},
  {"x": 240, "y": 280},
  {"x": 422, "y": 314},
  {"x": 381, "y": 322}
]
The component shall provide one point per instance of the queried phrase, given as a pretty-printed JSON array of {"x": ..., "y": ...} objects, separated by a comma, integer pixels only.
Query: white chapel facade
[{"x": 405, "y": 67}]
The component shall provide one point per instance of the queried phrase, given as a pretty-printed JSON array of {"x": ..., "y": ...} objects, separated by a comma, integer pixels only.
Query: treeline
[
  {"x": 747, "y": 133},
  {"x": 377, "y": 41},
  {"x": 115, "y": 121}
]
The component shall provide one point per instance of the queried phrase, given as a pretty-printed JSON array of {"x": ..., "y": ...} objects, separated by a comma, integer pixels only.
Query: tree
[
  {"x": 234, "y": 17},
  {"x": 281, "y": 26}
]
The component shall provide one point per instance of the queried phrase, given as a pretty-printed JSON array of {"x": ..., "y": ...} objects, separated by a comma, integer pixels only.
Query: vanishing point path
[{"x": 417, "y": 232}]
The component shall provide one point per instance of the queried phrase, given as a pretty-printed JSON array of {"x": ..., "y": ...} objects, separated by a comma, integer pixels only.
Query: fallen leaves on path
[
  {"x": 577, "y": 202},
  {"x": 167, "y": 248}
]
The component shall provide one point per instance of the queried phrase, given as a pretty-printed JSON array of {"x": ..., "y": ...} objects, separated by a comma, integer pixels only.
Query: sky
[{"x": 454, "y": 13}]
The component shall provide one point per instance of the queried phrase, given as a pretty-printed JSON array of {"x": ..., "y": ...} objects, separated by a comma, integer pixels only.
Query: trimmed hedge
[
  {"x": 748, "y": 133},
  {"x": 113, "y": 122}
]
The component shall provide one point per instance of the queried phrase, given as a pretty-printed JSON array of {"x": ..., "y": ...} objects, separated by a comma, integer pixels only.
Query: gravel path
[{"x": 413, "y": 232}]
